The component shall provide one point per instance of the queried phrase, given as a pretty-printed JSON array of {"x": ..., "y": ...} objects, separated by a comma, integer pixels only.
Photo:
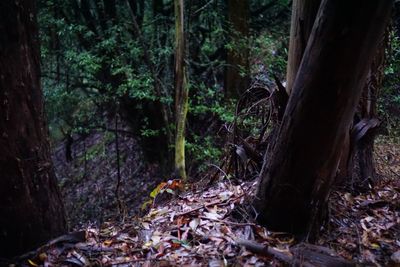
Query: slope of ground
[
  {"x": 212, "y": 227},
  {"x": 89, "y": 182}
]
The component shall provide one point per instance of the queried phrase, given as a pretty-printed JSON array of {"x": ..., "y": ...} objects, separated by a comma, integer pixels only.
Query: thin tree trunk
[
  {"x": 303, "y": 17},
  {"x": 160, "y": 113},
  {"x": 181, "y": 90},
  {"x": 296, "y": 181},
  {"x": 237, "y": 79},
  {"x": 68, "y": 147},
  {"x": 156, "y": 81},
  {"x": 31, "y": 211},
  {"x": 117, "y": 151}
]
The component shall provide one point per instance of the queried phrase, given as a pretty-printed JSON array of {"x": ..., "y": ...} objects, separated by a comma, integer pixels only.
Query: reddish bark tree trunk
[
  {"x": 31, "y": 211},
  {"x": 296, "y": 180}
]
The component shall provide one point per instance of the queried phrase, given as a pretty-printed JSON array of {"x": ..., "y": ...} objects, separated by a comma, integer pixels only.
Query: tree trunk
[
  {"x": 296, "y": 180},
  {"x": 181, "y": 90},
  {"x": 68, "y": 147},
  {"x": 357, "y": 167},
  {"x": 367, "y": 111},
  {"x": 30, "y": 204},
  {"x": 396, "y": 17},
  {"x": 303, "y": 17},
  {"x": 159, "y": 115},
  {"x": 237, "y": 79}
]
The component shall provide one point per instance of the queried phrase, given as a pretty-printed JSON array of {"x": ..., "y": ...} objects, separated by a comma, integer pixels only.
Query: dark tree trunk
[
  {"x": 158, "y": 114},
  {"x": 296, "y": 180},
  {"x": 137, "y": 8},
  {"x": 303, "y": 17},
  {"x": 30, "y": 204},
  {"x": 68, "y": 147},
  {"x": 237, "y": 82},
  {"x": 88, "y": 16},
  {"x": 396, "y": 19},
  {"x": 367, "y": 111},
  {"x": 158, "y": 7},
  {"x": 357, "y": 166},
  {"x": 110, "y": 9}
]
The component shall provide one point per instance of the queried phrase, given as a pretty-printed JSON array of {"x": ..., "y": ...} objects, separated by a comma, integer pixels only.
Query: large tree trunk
[
  {"x": 237, "y": 79},
  {"x": 303, "y": 17},
  {"x": 181, "y": 90},
  {"x": 296, "y": 180},
  {"x": 31, "y": 210}
]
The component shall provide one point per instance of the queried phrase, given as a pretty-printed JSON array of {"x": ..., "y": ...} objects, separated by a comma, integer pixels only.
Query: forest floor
[
  {"x": 213, "y": 226},
  {"x": 89, "y": 182}
]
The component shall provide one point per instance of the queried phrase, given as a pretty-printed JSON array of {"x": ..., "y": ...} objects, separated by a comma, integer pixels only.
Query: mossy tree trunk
[
  {"x": 296, "y": 179},
  {"x": 181, "y": 90},
  {"x": 31, "y": 211}
]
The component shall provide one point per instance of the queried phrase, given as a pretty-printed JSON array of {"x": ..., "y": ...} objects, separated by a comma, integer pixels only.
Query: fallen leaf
[
  {"x": 194, "y": 224},
  {"x": 212, "y": 216}
]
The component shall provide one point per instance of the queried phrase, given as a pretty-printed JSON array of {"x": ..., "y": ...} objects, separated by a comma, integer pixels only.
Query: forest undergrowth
[{"x": 215, "y": 225}]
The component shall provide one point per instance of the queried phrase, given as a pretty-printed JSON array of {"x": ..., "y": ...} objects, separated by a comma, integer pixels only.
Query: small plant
[{"x": 171, "y": 187}]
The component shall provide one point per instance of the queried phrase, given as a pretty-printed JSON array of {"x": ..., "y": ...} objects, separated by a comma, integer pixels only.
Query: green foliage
[
  {"x": 389, "y": 101},
  {"x": 202, "y": 151},
  {"x": 209, "y": 101},
  {"x": 94, "y": 64},
  {"x": 270, "y": 52}
]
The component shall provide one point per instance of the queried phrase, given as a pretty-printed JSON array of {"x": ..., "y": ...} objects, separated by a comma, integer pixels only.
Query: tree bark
[
  {"x": 303, "y": 17},
  {"x": 30, "y": 204},
  {"x": 367, "y": 111},
  {"x": 237, "y": 82},
  {"x": 296, "y": 180},
  {"x": 357, "y": 166},
  {"x": 181, "y": 91}
]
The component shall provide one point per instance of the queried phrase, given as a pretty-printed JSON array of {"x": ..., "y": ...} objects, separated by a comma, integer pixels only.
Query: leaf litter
[{"x": 211, "y": 227}]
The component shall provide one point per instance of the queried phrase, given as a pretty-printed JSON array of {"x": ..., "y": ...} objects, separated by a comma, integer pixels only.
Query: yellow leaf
[
  {"x": 146, "y": 204},
  {"x": 375, "y": 246},
  {"x": 147, "y": 245},
  {"x": 32, "y": 263},
  {"x": 157, "y": 190}
]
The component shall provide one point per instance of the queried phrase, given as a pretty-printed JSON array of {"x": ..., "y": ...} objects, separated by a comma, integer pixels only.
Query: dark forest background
[
  {"x": 108, "y": 75},
  {"x": 110, "y": 109}
]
